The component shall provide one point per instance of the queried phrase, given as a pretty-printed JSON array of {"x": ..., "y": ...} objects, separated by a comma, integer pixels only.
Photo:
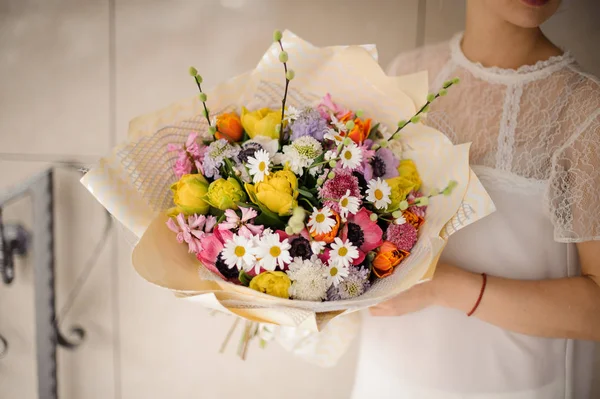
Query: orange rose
[
  {"x": 361, "y": 129},
  {"x": 387, "y": 258},
  {"x": 329, "y": 237},
  {"x": 413, "y": 219},
  {"x": 229, "y": 126}
]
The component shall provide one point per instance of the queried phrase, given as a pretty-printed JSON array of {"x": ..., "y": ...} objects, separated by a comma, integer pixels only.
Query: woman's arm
[{"x": 565, "y": 308}]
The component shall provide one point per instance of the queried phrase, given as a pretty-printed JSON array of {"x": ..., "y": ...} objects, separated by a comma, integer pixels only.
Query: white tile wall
[{"x": 54, "y": 105}]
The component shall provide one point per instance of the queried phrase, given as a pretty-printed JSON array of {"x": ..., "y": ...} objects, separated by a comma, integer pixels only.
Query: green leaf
[
  {"x": 270, "y": 219},
  {"x": 304, "y": 191},
  {"x": 248, "y": 205},
  {"x": 373, "y": 132},
  {"x": 244, "y": 278},
  {"x": 318, "y": 159},
  {"x": 216, "y": 212}
]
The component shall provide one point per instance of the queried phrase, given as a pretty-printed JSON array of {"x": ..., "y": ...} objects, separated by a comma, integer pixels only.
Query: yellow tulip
[
  {"x": 225, "y": 194},
  {"x": 188, "y": 195},
  {"x": 262, "y": 122},
  {"x": 278, "y": 192},
  {"x": 272, "y": 283}
]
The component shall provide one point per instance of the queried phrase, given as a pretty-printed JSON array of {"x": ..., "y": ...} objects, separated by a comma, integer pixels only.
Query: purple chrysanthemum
[
  {"x": 403, "y": 236},
  {"x": 336, "y": 188},
  {"x": 309, "y": 123},
  {"x": 417, "y": 210}
]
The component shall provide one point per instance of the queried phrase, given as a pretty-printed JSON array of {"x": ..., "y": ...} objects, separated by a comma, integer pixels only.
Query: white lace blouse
[{"x": 535, "y": 135}]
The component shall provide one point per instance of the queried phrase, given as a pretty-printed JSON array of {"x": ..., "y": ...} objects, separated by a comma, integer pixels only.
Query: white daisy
[
  {"x": 348, "y": 204},
  {"x": 272, "y": 253},
  {"x": 320, "y": 221},
  {"x": 333, "y": 135},
  {"x": 292, "y": 113},
  {"x": 342, "y": 252},
  {"x": 400, "y": 219},
  {"x": 335, "y": 273},
  {"x": 317, "y": 246},
  {"x": 341, "y": 126},
  {"x": 259, "y": 165},
  {"x": 379, "y": 193},
  {"x": 239, "y": 252},
  {"x": 351, "y": 156}
]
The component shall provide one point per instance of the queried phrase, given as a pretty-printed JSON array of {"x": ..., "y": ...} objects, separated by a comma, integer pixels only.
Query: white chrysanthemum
[
  {"x": 351, "y": 156},
  {"x": 272, "y": 253},
  {"x": 348, "y": 204},
  {"x": 335, "y": 273},
  {"x": 342, "y": 252},
  {"x": 259, "y": 165},
  {"x": 317, "y": 246},
  {"x": 379, "y": 193},
  {"x": 300, "y": 154},
  {"x": 239, "y": 252},
  {"x": 292, "y": 113},
  {"x": 333, "y": 135},
  {"x": 320, "y": 221},
  {"x": 309, "y": 281},
  {"x": 400, "y": 220}
]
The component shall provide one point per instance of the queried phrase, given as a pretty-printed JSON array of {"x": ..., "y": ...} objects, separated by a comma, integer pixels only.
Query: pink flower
[
  {"x": 245, "y": 228},
  {"x": 363, "y": 233},
  {"x": 189, "y": 156},
  {"x": 403, "y": 236},
  {"x": 326, "y": 106},
  {"x": 212, "y": 246},
  {"x": 336, "y": 188},
  {"x": 417, "y": 210},
  {"x": 190, "y": 231}
]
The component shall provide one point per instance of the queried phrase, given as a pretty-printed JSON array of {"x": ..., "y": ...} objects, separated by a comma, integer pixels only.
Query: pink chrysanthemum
[
  {"x": 336, "y": 188},
  {"x": 403, "y": 236},
  {"x": 417, "y": 210}
]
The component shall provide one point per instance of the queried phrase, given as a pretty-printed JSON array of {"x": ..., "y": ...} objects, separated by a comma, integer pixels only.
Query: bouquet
[{"x": 306, "y": 195}]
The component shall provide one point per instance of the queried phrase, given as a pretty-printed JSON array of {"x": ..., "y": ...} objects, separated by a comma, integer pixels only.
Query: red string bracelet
[{"x": 480, "y": 295}]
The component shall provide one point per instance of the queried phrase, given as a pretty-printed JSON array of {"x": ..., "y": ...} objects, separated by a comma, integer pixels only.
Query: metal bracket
[{"x": 16, "y": 241}]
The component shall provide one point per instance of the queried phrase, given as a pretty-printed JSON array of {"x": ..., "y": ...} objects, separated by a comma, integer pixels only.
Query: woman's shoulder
[{"x": 430, "y": 57}]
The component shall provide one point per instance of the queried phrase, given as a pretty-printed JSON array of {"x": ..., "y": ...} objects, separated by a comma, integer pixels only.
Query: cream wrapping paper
[{"x": 133, "y": 181}]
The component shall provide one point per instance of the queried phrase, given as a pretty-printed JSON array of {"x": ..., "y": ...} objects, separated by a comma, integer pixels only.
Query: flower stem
[
  {"x": 203, "y": 102},
  {"x": 287, "y": 84},
  {"x": 421, "y": 110}
]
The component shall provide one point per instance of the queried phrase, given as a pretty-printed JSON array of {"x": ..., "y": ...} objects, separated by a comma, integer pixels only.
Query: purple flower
[
  {"x": 384, "y": 165},
  {"x": 309, "y": 123},
  {"x": 352, "y": 286}
]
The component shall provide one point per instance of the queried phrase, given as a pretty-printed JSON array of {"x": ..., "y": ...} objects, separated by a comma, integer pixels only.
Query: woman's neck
[{"x": 495, "y": 42}]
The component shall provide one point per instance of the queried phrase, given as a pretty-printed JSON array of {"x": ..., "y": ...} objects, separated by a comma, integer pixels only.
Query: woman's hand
[{"x": 446, "y": 281}]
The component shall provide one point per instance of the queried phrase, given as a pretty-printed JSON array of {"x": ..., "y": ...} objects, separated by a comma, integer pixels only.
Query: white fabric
[{"x": 536, "y": 148}]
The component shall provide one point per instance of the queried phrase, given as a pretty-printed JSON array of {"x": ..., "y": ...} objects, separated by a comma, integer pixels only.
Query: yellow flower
[
  {"x": 278, "y": 192},
  {"x": 408, "y": 170},
  {"x": 402, "y": 185},
  {"x": 188, "y": 195},
  {"x": 272, "y": 283},
  {"x": 261, "y": 123},
  {"x": 225, "y": 194}
]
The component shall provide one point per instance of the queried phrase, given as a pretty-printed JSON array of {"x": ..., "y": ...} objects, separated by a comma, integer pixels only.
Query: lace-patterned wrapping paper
[{"x": 133, "y": 181}]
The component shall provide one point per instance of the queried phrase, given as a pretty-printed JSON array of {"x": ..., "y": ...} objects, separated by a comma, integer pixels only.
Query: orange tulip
[
  {"x": 413, "y": 219},
  {"x": 387, "y": 258},
  {"x": 361, "y": 129},
  {"x": 229, "y": 126},
  {"x": 329, "y": 237}
]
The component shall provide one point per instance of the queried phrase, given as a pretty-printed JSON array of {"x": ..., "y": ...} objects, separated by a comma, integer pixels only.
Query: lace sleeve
[{"x": 574, "y": 187}]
